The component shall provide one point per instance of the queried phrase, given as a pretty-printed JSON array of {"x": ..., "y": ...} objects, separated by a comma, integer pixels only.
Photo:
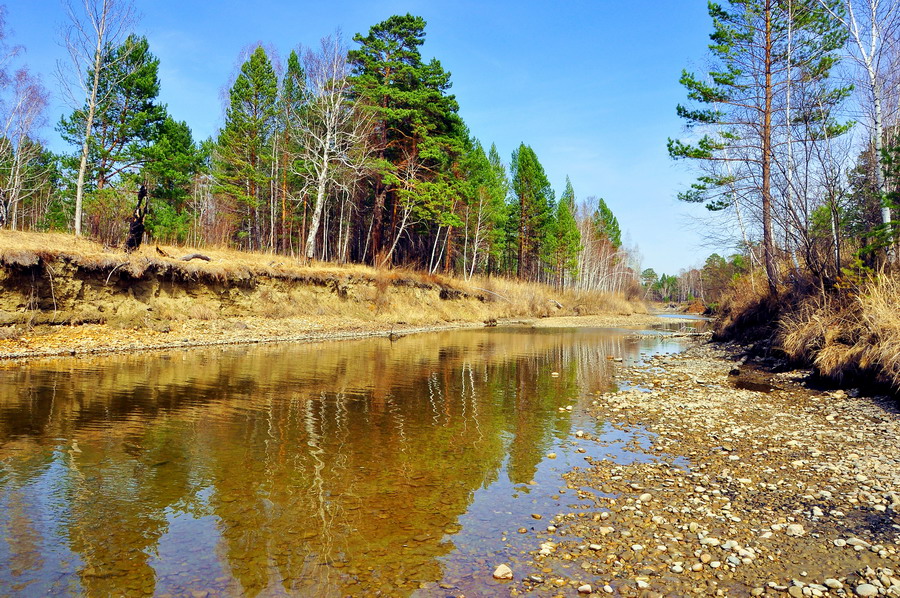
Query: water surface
[{"x": 326, "y": 469}]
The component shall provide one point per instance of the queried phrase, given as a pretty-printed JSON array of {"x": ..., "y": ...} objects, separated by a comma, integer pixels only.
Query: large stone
[
  {"x": 866, "y": 589},
  {"x": 503, "y": 572}
]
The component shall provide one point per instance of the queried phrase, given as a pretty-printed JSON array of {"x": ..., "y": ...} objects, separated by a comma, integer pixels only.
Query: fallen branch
[{"x": 195, "y": 256}]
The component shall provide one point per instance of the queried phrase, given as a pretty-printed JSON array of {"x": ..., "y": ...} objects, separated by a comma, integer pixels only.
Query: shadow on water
[{"x": 326, "y": 469}]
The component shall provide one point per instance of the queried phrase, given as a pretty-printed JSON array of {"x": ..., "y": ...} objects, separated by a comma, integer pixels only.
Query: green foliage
[
  {"x": 243, "y": 155},
  {"x": 563, "y": 241},
  {"x": 718, "y": 273},
  {"x": 173, "y": 161},
  {"x": 649, "y": 277},
  {"x": 606, "y": 225},
  {"x": 127, "y": 119},
  {"x": 531, "y": 209},
  {"x": 417, "y": 119}
]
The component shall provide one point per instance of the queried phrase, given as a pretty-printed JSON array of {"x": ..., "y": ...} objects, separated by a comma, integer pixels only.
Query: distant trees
[{"x": 708, "y": 284}]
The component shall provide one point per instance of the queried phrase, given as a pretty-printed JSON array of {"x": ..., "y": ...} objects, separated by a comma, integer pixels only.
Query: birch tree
[
  {"x": 23, "y": 102},
  {"x": 333, "y": 132},
  {"x": 95, "y": 28},
  {"x": 873, "y": 29}
]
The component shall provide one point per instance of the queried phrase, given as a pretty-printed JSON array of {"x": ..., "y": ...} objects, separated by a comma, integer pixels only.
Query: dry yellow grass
[
  {"x": 849, "y": 334},
  {"x": 153, "y": 286}
]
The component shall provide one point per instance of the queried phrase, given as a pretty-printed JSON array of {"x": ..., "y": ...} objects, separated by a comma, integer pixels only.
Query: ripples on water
[{"x": 326, "y": 469}]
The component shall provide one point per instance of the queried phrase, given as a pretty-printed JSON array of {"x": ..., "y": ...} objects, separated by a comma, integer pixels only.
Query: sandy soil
[{"x": 100, "y": 338}]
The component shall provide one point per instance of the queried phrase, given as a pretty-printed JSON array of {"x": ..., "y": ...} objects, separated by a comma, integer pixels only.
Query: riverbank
[
  {"x": 791, "y": 492},
  {"x": 92, "y": 339},
  {"x": 60, "y": 295}
]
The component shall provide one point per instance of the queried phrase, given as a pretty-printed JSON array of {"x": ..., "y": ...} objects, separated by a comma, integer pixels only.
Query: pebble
[
  {"x": 796, "y": 530},
  {"x": 503, "y": 572},
  {"x": 585, "y": 589},
  {"x": 866, "y": 589}
]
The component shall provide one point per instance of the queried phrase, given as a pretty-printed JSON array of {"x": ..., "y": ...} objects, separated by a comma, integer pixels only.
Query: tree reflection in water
[{"x": 317, "y": 469}]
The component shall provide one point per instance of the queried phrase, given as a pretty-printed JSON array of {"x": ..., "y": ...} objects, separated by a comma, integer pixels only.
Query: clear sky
[{"x": 590, "y": 85}]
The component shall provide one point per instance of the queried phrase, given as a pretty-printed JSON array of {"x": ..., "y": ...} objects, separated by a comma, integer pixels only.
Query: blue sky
[{"x": 591, "y": 86}]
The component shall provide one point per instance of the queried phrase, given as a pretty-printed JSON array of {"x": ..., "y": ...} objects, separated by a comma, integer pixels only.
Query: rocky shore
[{"x": 753, "y": 489}]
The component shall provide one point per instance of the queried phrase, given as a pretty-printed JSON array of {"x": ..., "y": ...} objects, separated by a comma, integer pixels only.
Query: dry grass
[
  {"x": 748, "y": 313},
  {"x": 520, "y": 299},
  {"x": 153, "y": 286},
  {"x": 849, "y": 334}
]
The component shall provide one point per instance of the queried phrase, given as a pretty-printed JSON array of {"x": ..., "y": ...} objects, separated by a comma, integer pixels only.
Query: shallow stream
[{"x": 409, "y": 468}]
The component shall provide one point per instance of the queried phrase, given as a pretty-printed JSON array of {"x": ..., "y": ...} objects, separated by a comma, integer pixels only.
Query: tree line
[{"x": 349, "y": 153}]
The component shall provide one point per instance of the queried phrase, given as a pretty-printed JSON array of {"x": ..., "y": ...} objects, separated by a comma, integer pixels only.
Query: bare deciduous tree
[
  {"x": 95, "y": 27},
  {"x": 23, "y": 101},
  {"x": 874, "y": 37},
  {"x": 333, "y": 130}
]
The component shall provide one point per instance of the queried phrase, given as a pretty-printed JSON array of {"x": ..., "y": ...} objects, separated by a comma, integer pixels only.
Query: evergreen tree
[
  {"x": 418, "y": 133},
  {"x": 292, "y": 102},
  {"x": 173, "y": 163},
  {"x": 127, "y": 118},
  {"x": 501, "y": 239},
  {"x": 531, "y": 209},
  {"x": 564, "y": 241},
  {"x": 485, "y": 198},
  {"x": 762, "y": 49},
  {"x": 243, "y": 157},
  {"x": 606, "y": 225}
]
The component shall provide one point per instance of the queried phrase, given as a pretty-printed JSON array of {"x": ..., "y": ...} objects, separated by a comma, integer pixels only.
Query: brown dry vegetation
[
  {"x": 853, "y": 334},
  {"x": 51, "y": 279},
  {"x": 846, "y": 334}
]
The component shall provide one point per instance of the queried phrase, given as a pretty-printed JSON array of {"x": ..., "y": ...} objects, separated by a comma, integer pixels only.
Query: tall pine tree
[{"x": 243, "y": 157}]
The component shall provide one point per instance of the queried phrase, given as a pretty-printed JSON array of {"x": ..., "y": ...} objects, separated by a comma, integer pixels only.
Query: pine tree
[
  {"x": 531, "y": 209},
  {"x": 418, "y": 134},
  {"x": 762, "y": 49},
  {"x": 606, "y": 225},
  {"x": 127, "y": 117},
  {"x": 292, "y": 102},
  {"x": 564, "y": 241},
  {"x": 244, "y": 152},
  {"x": 173, "y": 163}
]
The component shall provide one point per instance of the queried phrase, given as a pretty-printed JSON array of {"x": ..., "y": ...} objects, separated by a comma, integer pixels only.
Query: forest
[
  {"x": 349, "y": 153},
  {"x": 355, "y": 152}
]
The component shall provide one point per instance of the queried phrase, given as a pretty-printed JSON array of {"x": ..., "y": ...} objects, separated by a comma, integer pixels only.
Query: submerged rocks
[{"x": 503, "y": 572}]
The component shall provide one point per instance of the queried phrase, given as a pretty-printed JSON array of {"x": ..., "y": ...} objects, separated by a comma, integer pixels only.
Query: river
[{"x": 410, "y": 467}]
